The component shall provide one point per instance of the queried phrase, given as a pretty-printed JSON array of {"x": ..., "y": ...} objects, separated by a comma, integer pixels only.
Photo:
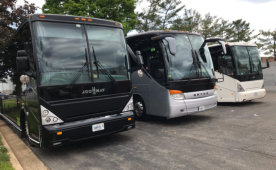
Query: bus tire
[{"x": 139, "y": 109}]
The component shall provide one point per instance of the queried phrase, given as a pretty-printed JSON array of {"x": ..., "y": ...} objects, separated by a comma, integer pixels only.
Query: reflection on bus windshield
[{"x": 63, "y": 53}]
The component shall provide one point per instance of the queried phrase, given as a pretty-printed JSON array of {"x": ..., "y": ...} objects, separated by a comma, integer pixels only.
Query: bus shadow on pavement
[
  {"x": 242, "y": 104},
  {"x": 86, "y": 145},
  {"x": 184, "y": 120}
]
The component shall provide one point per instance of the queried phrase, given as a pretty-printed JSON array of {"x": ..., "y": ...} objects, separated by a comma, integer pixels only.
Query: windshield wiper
[
  {"x": 99, "y": 65},
  {"x": 77, "y": 76},
  {"x": 202, "y": 65},
  {"x": 192, "y": 67}
]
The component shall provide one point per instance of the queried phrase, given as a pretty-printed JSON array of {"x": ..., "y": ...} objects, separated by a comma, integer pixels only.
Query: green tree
[
  {"x": 10, "y": 18},
  {"x": 267, "y": 42},
  {"x": 209, "y": 26},
  {"x": 168, "y": 11},
  {"x": 239, "y": 30},
  {"x": 148, "y": 19},
  {"x": 223, "y": 27},
  {"x": 189, "y": 22},
  {"x": 116, "y": 10}
]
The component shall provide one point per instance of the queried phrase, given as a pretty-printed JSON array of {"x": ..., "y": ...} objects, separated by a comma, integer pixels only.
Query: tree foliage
[
  {"x": 160, "y": 14},
  {"x": 267, "y": 42},
  {"x": 116, "y": 10},
  {"x": 189, "y": 22},
  {"x": 11, "y": 18},
  {"x": 149, "y": 19},
  {"x": 168, "y": 10},
  {"x": 239, "y": 30},
  {"x": 209, "y": 26}
]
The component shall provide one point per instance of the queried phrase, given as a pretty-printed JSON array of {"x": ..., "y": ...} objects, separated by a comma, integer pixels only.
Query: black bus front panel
[{"x": 85, "y": 129}]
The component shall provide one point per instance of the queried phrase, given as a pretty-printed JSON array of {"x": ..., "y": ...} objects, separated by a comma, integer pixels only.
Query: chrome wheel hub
[{"x": 139, "y": 108}]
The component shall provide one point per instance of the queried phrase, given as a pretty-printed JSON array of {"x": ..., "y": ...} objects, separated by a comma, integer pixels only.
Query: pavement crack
[{"x": 259, "y": 153}]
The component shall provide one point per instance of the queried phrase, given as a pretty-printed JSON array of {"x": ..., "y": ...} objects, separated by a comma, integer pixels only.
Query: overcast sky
[{"x": 259, "y": 13}]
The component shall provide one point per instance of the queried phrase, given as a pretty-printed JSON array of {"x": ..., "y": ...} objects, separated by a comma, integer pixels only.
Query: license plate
[
  {"x": 201, "y": 108},
  {"x": 97, "y": 127}
]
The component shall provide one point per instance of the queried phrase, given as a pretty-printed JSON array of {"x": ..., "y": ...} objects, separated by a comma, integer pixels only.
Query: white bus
[{"x": 242, "y": 72}]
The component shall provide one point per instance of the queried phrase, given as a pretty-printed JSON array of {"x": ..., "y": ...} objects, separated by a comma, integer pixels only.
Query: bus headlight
[
  {"x": 240, "y": 88},
  {"x": 48, "y": 118},
  {"x": 129, "y": 105},
  {"x": 177, "y": 94}
]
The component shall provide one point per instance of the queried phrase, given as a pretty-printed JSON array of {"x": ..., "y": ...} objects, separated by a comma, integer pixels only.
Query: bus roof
[
  {"x": 236, "y": 44},
  {"x": 158, "y": 32},
  {"x": 73, "y": 19}
]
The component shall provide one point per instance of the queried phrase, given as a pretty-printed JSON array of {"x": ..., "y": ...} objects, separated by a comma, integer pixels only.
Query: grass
[{"x": 5, "y": 163}]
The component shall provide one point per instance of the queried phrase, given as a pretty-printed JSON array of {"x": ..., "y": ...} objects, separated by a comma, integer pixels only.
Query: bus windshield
[
  {"x": 247, "y": 60},
  {"x": 64, "y": 56},
  {"x": 184, "y": 64}
]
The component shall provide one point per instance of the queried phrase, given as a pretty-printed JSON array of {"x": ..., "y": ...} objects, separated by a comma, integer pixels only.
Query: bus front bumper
[
  {"x": 188, "y": 106},
  {"x": 61, "y": 134},
  {"x": 250, "y": 95}
]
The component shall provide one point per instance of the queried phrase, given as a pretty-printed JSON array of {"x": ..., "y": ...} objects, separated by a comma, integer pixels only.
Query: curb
[
  {"x": 21, "y": 156},
  {"x": 15, "y": 163}
]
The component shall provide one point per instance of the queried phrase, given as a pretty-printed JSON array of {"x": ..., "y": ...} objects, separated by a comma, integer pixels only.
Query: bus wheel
[{"x": 139, "y": 109}]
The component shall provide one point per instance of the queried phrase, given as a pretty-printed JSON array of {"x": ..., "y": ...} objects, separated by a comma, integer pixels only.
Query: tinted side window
[
  {"x": 24, "y": 42},
  {"x": 154, "y": 61},
  {"x": 226, "y": 65}
]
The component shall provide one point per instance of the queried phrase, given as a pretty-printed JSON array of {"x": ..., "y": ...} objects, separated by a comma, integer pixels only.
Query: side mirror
[
  {"x": 139, "y": 58},
  {"x": 218, "y": 40},
  {"x": 170, "y": 39},
  {"x": 267, "y": 64},
  {"x": 172, "y": 44},
  {"x": 24, "y": 79},
  {"x": 220, "y": 79},
  {"x": 22, "y": 63},
  {"x": 222, "y": 43}
]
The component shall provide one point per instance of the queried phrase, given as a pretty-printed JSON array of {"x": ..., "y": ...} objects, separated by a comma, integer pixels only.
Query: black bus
[{"x": 70, "y": 79}]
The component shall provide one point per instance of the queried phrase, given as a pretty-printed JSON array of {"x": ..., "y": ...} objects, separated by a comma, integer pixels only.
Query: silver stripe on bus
[
  {"x": 33, "y": 140},
  {"x": 11, "y": 122}
]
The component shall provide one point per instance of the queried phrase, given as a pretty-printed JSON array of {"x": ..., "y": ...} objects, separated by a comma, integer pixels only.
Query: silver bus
[{"x": 174, "y": 75}]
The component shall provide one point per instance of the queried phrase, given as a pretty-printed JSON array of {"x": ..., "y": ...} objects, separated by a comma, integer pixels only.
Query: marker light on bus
[
  {"x": 177, "y": 94},
  {"x": 59, "y": 133}
]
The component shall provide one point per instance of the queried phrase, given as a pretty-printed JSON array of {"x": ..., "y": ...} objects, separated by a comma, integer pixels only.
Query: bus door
[
  {"x": 227, "y": 88},
  {"x": 30, "y": 88},
  {"x": 155, "y": 66}
]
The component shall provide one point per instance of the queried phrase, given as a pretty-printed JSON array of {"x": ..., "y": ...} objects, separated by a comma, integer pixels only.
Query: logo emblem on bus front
[
  {"x": 140, "y": 73},
  {"x": 93, "y": 91}
]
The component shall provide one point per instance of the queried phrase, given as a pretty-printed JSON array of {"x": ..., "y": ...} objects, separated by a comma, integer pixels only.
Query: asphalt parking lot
[{"x": 232, "y": 136}]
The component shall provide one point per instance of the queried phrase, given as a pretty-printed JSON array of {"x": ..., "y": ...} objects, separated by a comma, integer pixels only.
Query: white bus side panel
[{"x": 227, "y": 89}]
